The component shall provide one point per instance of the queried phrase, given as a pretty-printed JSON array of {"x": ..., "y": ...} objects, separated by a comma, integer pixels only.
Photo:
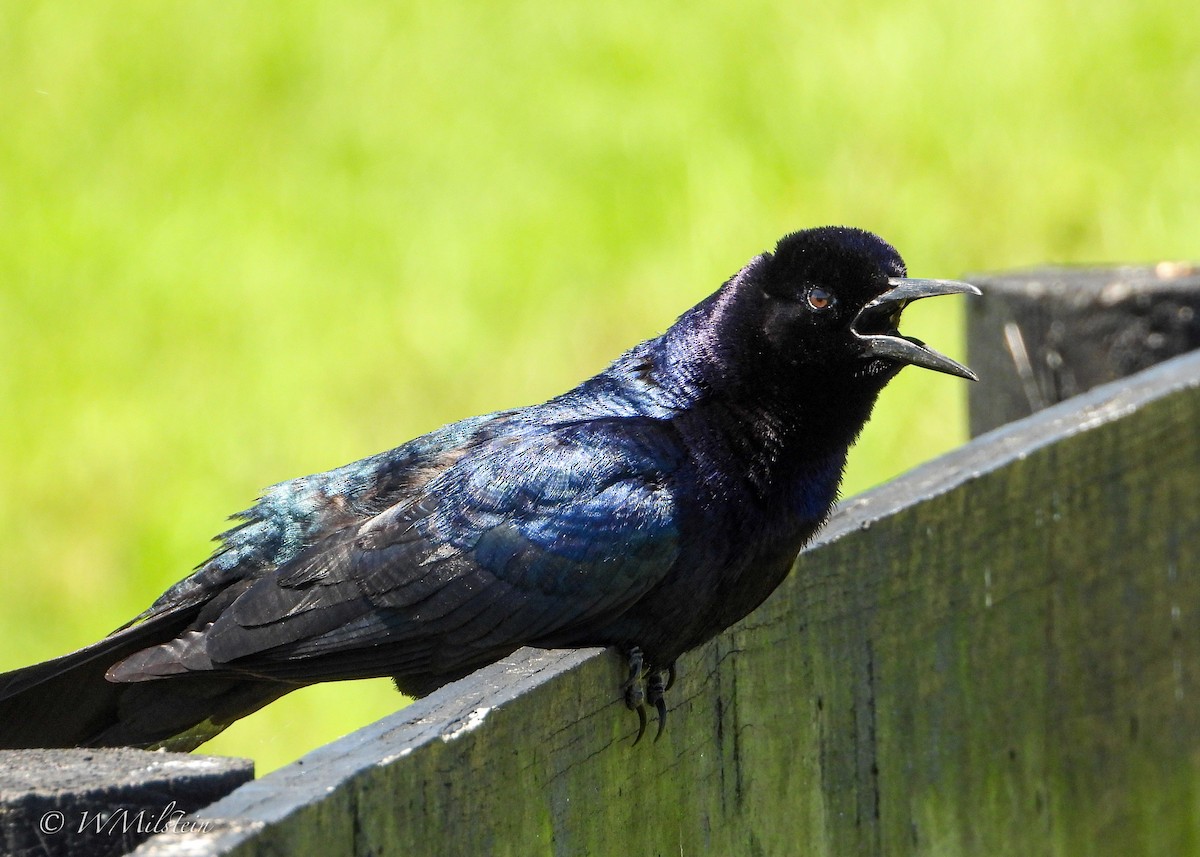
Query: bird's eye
[{"x": 819, "y": 298}]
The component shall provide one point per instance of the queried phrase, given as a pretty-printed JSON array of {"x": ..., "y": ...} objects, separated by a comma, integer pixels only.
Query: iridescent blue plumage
[{"x": 648, "y": 508}]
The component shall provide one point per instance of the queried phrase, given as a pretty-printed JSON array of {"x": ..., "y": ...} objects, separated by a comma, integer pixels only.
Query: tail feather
[{"x": 68, "y": 702}]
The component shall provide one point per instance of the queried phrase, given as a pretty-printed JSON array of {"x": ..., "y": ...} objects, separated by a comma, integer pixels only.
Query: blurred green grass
[{"x": 242, "y": 243}]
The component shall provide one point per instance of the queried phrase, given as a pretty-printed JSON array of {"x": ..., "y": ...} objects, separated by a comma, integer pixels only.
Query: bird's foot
[
  {"x": 635, "y": 694},
  {"x": 646, "y": 685}
]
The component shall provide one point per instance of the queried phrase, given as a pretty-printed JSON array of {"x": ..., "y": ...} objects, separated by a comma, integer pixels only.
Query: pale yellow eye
[{"x": 819, "y": 298}]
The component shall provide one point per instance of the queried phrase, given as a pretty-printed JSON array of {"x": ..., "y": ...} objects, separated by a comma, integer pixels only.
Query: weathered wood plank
[
  {"x": 92, "y": 803},
  {"x": 994, "y": 654},
  {"x": 1040, "y": 336}
]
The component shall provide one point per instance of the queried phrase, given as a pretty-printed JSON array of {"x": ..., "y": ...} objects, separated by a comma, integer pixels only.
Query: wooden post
[{"x": 1039, "y": 337}]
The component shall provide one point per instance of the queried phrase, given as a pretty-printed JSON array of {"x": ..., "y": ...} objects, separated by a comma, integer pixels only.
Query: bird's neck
[{"x": 807, "y": 412}]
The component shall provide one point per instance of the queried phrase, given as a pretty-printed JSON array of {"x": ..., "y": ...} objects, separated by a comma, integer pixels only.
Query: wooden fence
[{"x": 995, "y": 654}]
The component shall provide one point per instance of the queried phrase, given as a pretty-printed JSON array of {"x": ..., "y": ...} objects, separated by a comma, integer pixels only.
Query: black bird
[{"x": 649, "y": 508}]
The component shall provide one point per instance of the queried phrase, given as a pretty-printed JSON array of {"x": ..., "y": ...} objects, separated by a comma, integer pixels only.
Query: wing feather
[{"x": 543, "y": 536}]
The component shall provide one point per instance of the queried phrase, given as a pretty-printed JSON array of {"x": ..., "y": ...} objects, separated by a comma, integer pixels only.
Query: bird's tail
[{"x": 68, "y": 702}]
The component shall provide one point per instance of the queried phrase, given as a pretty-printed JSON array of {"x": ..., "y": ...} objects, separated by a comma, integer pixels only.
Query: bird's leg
[
  {"x": 636, "y": 669},
  {"x": 635, "y": 695},
  {"x": 655, "y": 686},
  {"x": 646, "y": 686}
]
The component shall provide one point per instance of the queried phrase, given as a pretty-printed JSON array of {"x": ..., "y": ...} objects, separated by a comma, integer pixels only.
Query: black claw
[
  {"x": 641, "y": 713},
  {"x": 655, "y": 688},
  {"x": 635, "y": 694},
  {"x": 646, "y": 686},
  {"x": 661, "y": 705}
]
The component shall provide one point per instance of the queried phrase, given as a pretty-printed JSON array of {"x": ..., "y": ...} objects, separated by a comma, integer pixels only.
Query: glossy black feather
[{"x": 651, "y": 506}]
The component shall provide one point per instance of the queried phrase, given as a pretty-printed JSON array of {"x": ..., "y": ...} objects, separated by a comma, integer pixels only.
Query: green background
[{"x": 244, "y": 242}]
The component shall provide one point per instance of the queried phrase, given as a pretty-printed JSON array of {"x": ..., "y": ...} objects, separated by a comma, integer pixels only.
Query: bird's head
[{"x": 830, "y": 299}]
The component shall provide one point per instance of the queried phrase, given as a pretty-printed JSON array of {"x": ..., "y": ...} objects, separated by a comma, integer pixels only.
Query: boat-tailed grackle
[{"x": 649, "y": 508}]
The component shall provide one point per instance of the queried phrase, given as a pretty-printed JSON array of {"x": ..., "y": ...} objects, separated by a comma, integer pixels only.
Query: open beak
[{"x": 876, "y": 325}]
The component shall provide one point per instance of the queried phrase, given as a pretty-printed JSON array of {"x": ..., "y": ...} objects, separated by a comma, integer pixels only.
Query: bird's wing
[
  {"x": 294, "y": 515},
  {"x": 531, "y": 537}
]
